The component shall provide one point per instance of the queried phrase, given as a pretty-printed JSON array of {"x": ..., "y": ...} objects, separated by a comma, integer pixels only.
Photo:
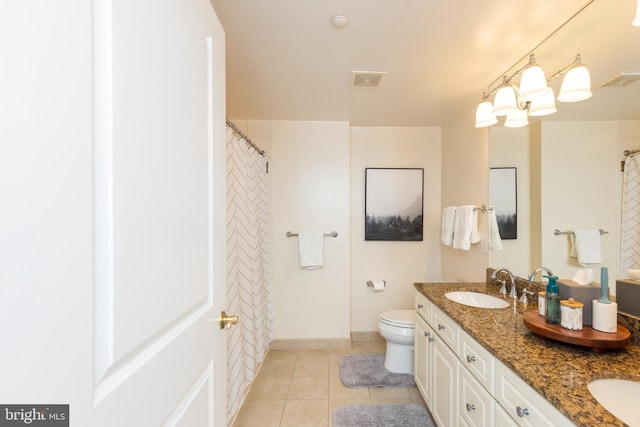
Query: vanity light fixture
[
  {"x": 533, "y": 97},
  {"x": 636, "y": 20}
]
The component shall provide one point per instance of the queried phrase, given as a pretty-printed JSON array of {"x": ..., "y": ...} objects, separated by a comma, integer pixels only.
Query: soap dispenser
[{"x": 552, "y": 309}]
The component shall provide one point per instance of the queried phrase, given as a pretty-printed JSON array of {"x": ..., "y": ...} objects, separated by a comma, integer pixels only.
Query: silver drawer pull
[
  {"x": 522, "y": 412},
  {"x": 431, "y": 339},
  {"x": 470, "y": 407},
  {"x": 426, "y": 334},
  {"x": 440, "y": 327},
  {"x": 420, "y": 306},
  {"x": 471, "y": 358}
]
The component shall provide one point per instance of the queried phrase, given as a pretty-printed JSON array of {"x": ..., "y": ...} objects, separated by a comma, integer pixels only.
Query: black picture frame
[
  {"x": 394, "y": 200},
  {"x": 503, "y": 196}
]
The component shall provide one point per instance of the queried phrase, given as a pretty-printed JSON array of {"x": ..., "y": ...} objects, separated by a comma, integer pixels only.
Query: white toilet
[{"x": 397, "y": 327}]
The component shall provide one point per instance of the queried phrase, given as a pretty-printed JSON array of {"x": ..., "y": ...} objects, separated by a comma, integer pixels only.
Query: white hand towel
[
  {"x": 463, "y": 227},
  {"x": 310, "y": 250},
  {"x": 585, "y": 245},
  {"x": 448, "y": 216},
  {"x": 493, "y": 241}
]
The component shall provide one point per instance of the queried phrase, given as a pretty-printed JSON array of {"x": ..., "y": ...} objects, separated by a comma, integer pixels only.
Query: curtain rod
[{"x": 245, "y": 137}]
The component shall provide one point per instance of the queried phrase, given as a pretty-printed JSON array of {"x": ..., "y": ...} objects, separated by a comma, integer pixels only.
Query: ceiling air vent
[
  {"x": 620, "y": 80},
  {"x": 367, "y": 78}
]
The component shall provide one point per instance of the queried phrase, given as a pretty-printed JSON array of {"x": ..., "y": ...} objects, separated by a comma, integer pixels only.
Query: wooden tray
[{"x": 587, "y": 337}]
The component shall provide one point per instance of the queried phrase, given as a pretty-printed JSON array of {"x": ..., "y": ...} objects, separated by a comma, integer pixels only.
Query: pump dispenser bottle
[{"x": 553, "y": 301}]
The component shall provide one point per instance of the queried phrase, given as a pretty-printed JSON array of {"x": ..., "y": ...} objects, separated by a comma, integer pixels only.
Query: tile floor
[{"x": 296, "y": 388}]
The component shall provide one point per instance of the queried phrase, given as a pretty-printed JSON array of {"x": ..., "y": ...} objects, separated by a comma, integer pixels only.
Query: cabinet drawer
[
  {"x": 475, "y": 405},
  {"x": 424, "y": 307},
  {"x": 478, "y": 361},
  {"x": 523, "y": 403},
  {"x": 446, "y": 328}
]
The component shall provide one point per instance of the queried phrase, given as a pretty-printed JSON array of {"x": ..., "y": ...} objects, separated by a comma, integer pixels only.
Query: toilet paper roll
[
  {"x": 605, "y": 317},
  {"x": 378, "y": 286}
]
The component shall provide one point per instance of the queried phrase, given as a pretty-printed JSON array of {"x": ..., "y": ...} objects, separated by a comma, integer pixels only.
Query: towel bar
[
  {"x": 332, "y": 234},
  {"x": 558, "y": 232}
]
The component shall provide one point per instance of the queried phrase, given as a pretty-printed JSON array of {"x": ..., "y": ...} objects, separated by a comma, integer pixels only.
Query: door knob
[{"x": 227, "y": 321}]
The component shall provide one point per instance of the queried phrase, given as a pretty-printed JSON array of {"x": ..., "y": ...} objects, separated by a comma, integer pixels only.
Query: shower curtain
[
  {"x": 249, "y": 292},
  {"x": 630, "y": 221}
]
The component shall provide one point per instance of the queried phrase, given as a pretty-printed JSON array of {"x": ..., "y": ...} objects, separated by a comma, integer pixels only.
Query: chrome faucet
[
  {"x": 538, "y": 270},
  {"x": 513, "y": 293}
]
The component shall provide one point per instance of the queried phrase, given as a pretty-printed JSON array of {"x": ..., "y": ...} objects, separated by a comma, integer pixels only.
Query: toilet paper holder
[{"x": 370, "y": 283}]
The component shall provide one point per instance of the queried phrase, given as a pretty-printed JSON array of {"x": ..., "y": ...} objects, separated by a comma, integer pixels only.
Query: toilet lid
[{"x": 402, "y": 318}]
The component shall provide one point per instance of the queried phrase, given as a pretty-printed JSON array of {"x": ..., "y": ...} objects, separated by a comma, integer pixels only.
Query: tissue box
[
  {"x": 628, "y": 296},
  {"x": 583, "y": 293}
]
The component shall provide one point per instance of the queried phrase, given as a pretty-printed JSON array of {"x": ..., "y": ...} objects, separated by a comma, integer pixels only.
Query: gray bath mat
[
  {"x": 367, "y": 370},
  {"x": 382, "y": 416}
]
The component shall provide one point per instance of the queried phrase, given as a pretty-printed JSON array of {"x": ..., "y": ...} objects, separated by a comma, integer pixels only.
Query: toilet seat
[{"x": 399, "y": 318}]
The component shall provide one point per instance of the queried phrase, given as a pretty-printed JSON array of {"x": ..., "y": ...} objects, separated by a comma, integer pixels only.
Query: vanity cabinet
[
  {"x": 463, "y": 384},
  {"x": 435, "y": 363}
]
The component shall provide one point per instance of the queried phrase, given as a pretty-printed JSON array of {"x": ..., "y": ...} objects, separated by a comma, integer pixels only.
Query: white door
[{"x": 112, "y": 262}]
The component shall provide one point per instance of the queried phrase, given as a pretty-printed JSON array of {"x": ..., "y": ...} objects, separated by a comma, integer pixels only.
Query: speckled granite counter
[{"x": 559, "y": 372}]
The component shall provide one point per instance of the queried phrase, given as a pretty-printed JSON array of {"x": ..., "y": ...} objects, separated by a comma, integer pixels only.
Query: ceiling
[{"x": 285, "y": 61}]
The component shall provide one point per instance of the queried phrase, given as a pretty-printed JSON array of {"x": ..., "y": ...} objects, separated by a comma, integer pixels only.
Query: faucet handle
[
  {"x": 523, "y": 297},
  {"x": 503, "y": 289}
]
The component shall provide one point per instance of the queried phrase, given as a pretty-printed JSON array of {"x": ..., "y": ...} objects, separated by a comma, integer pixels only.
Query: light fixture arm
[
  {"x": 507, "y": 79},
  {"x": 576, "y": 61}
]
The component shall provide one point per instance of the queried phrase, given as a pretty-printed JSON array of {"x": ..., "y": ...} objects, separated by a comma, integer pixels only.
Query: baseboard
[
  {"x": 310, "y": 344},
  {"x": 366, "y": 336}
]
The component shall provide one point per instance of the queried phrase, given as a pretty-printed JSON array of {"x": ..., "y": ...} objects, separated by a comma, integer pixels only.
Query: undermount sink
[
  {"x": 476, "y": 299},
  {"x": 620, "y": 397}
]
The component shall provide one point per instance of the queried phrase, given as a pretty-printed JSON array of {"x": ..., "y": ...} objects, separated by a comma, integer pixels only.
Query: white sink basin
[
  {"x": 620, "y": 397},
  {"x": 476, "y": 299}
]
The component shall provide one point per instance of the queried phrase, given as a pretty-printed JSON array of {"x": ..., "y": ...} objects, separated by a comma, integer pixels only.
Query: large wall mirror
[{"x": 568, "y": 163}]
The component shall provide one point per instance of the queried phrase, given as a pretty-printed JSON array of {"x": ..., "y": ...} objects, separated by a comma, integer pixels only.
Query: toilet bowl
[{"x": 397, "y": 327}]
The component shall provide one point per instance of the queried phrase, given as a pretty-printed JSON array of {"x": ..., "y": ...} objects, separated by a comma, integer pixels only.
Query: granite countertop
[{"x": 557, "y": 371}]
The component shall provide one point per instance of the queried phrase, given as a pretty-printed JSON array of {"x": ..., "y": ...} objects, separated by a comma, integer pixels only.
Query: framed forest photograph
[
  {"x": 503, "y": 196},
  {"x": 394, "y": 204}
]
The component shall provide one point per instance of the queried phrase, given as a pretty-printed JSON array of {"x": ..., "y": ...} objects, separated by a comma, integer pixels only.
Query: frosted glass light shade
[
  {"x": 505, "y": 101},
  {"x": 517, "y": 119},
  {"x": 543, "y": 105},
  {"x": 636, "y": 20},
  {"x": 533, "y": 83},
  {"x": 576, "y": 85},
  {"x": 484, "y": 115}
]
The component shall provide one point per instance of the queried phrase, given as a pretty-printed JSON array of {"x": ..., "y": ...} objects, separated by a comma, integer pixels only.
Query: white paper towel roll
[
  {"x": 378, "y": 285},
  {"x": 605, "y": 317}
]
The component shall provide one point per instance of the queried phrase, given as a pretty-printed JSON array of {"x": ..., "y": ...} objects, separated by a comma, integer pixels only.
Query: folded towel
[
  {"x": 310, "y": 250},
  {"x": 585, "y": 245},
  {"x": 448, "y": 216},
  {"x": 465, "y": 227},
  {"x": 492, "y": 241}
]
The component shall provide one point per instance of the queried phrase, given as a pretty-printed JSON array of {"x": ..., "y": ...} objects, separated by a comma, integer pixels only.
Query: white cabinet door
[
  {"x": 475, "y": 405},
  {"x": 444, "y": 377},
  {"x": 422, "y": 358},
  {"x": 112, "y": 227}
]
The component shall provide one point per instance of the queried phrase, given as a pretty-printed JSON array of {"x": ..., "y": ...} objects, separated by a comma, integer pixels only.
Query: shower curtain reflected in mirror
[
  {"x": 630, "y": 221},
  {"x": 249, "y": 291}
]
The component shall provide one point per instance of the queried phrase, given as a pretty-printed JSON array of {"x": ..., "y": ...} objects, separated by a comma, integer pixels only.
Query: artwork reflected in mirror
[
  {"x": 503, "y": 197},
  {"x": 393, "y": 204}
]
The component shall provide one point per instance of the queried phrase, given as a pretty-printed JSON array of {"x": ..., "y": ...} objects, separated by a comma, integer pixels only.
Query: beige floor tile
[
  {"x": 371, "y": 347},
  {"x": 334, "y": 367},
  {"x": 269, "y": 388},
  {"x": 402, "y": 392},
  {"x": 338, "y": 391},
  {"x": 306, "y": 413},
  {"x": 262, "y": 413},
  {"x": 277, "y": 367},
  {"x": 282, "y": 354},
  {"x": 309, "y": 388},
  {"x": 392, "y": 400},
  {"x": 417, "y": 397},
  {"x": 311, "y": 367}
]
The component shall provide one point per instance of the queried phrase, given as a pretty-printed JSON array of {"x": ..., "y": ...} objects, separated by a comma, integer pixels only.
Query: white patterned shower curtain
[
  {"x": 630, "y": 221},
  {"x": 249, "y": 292}
]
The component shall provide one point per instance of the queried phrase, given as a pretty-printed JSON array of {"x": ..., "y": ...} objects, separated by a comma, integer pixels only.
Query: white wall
[
  {"x": 510, "y": 148},
  {"x": 579, "y": 171},
  {"x": 464, "y": 182},
  {"x": 399, "y": 263},
  {"x": 309, "y": 174}
]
